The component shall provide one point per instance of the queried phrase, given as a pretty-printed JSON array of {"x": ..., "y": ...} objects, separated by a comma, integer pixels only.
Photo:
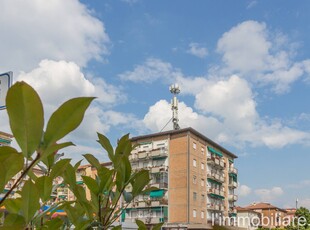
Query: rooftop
[
  {"x": 263, "y": 205},
  {"x": 191, "y": 130}
]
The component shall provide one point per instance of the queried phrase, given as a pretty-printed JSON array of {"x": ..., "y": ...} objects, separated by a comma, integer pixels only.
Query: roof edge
[{"x": 189, "y": 129}]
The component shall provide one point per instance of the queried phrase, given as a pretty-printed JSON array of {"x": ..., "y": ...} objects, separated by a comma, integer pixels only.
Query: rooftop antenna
[{"x": 175, "y": 89}]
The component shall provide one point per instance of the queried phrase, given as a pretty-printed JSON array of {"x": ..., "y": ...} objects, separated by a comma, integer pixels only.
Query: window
[
  {"x": 194, "y": 179},
  {"x": 194, "y": 195},
  {"x": 194, "y": 213},
  {"x": 202, "y": 198},
  {"x": 202, "y": 215},
  {"x": 194, "y": 145},
  {"x": 202, "y": 182},
  {"x": 202, "y": 166},
  {"x": 202, "y": 150},
  {"x": 194, "y": 163}
]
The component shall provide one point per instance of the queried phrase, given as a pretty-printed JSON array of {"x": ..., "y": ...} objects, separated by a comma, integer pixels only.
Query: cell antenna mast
[{"x": 175, "y": 89}]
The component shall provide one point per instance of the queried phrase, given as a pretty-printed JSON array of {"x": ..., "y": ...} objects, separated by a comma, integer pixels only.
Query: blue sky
[{"x": 243, "y": 68}]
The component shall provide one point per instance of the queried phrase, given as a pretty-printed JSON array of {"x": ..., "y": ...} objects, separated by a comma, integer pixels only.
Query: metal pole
[
  {"x": 269, "y": 219},
  {"x": 296, "y": 211}
]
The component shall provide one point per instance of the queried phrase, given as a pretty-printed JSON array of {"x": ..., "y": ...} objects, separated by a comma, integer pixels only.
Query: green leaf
[
  {"x": 77, "y": 165},
  {"x": 30, "y": 200},
  {"x": 44, "y": 185},
  {"x": 127, "y": 196},
  {"x": 75, "y": 215},
  {"x": 25, "y": 111},
  {"x": 139, "y": 181},
  {"x": 65, "y": 119},
  {"x": 69, "y": 176},
  {"x": 59, "y": 167},
  {"x": 105, "y": 143},
  {"x": 14, "y": 221},
  {"x": 54, "y": 224},
  {"x": 91, "y": 184},
  {"x": 49, "y": 153},
  {"x": 13, "y": 205},
  {"x": 106, "y": 179},
  {"x": 158, "y": 226},
  {"x": 141, "y": 225},
  {"x": 11, "y": 162},
  {"x": 92, "y": 160}
]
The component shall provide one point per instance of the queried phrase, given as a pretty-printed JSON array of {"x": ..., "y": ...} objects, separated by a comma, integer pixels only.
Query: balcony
[
  {"x": 158, "y": 202},
  {"x": 216, "y": 161},
  {"x": 233, "y": 184},
  {"x": 141, "y": 204},
  {"x": 217, "y": 207},
  {"x": 215, "y": 176},
  {"x": 232, "y": 210},
  {"x": 157, "y": 169},
  {"x": 133, "y": 157},
  {"x": 159, "y": 153},
  {"x": 142, "y": 155},
  {"x": 233, "y": 170},
  {"x": 232, "y": 197},
  {"x": 160, "y": 185}
]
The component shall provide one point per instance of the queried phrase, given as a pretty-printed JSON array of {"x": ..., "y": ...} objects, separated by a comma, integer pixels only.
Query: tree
[
  {"x": 303, "y": 215},
  {"x": 38, "y": 148}
]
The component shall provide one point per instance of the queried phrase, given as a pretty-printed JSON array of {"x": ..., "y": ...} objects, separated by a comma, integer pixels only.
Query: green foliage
[
  {"x": 11, "y": 162},
  {"x": 302, "y": 213},
  {"x": 142, "y": 226},
  {"x": 65, "y": 119},
  {"x": 99, "y": 207},
  {"x": 25, "y": 110},
  {"x": 102, "y": 208}
]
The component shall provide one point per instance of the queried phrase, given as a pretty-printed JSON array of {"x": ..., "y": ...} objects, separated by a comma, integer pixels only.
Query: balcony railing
[
  {"x": 160, "y": 152},
  {"x": 216, "y": 161},
  {"x": 218, "y": 207},
  {"x": 232, "y": 210},
  {"x": 232, "y": 197},
  {"x": 233, "y": 184},
  {"x": 159, "y": 185},
  {"x": 216, "y": 176},
  {"x": 142, "y": 155},
  {"x": 156, "y": 169},
  {"x": 233, "y": 170}
]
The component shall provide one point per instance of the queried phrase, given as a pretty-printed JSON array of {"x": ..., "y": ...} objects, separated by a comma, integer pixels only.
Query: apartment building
[{"x": 195, "y": 177}]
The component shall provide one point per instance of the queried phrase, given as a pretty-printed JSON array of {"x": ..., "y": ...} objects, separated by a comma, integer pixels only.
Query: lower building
[
  {"x": 247, "y": 218},
  {"x": 271, "y": 216},
  {"x": 5, "y": 139}
]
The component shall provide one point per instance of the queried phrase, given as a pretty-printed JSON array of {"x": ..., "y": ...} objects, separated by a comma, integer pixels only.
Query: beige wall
[{"x": 178, "y": 179}]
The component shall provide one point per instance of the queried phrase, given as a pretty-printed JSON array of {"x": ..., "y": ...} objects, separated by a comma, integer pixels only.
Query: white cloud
[
  {"x": 160, "y": 113},
  {"x": 55, "y": 29},
  {"x": 269, "y": 194},
  {"x": 300, "y": 185},
  {"x": 197, "y": 50},
  {"x": 226, "y": 108},
  {"x": 245, "y": 47},
  {"x": 231, "y": 100},
  {"x": 254, "y": 52},
  {"x": 57, "y": 81},
  {"x": 251, "y": 4},
  {"x": 150, "y": 71},
  {"x": 244, "y": 190}
]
